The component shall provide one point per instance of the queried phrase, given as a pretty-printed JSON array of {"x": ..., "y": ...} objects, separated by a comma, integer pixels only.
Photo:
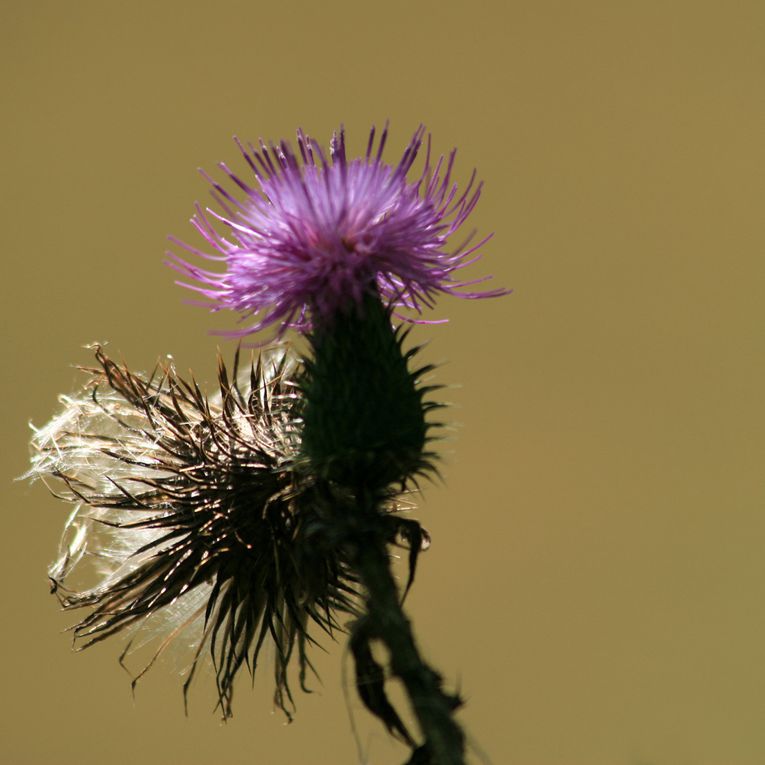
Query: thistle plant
[{"x": 268, "y": 512}]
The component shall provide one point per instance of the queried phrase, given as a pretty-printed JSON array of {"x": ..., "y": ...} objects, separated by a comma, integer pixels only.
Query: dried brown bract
[{"x": 191, "y": 512}]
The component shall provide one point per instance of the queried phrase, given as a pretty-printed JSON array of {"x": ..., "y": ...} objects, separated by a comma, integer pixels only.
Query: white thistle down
[{"x": 189, "y": 513}]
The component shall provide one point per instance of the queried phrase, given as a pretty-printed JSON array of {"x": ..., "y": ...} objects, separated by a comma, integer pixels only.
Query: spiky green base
[{"x": 364, "y": 415}]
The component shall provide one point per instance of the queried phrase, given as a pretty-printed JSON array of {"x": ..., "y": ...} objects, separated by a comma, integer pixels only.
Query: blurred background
[{"x": 596, "y": 584}]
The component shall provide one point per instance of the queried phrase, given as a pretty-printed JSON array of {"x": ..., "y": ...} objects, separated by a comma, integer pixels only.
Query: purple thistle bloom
[{"x": 313, "y": 236}]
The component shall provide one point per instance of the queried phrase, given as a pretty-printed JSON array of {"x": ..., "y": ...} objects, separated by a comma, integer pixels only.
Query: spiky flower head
[
  {"x": 188, "y": 513},
  {"x": 313, "y": 233}
]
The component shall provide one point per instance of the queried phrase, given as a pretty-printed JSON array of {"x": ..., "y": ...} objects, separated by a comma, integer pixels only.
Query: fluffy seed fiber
[{"x": 190, "y": 510}]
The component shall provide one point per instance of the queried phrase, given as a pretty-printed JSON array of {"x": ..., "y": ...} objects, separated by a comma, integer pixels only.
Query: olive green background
[{"x": 596, "y": 586}]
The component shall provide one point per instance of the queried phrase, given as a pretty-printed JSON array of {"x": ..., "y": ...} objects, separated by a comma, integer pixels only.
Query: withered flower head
[{"x": 190, "y": 512}]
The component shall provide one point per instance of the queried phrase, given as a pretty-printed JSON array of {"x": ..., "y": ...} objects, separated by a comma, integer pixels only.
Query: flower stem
[
  {"x": 364, "y": 433},
  {"x": 433, "y": 708}
]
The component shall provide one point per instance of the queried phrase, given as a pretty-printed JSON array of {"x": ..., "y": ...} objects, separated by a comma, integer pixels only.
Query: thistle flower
[
  {"x": 313, "y": 236},
  {"x": 190, "y": 509}
]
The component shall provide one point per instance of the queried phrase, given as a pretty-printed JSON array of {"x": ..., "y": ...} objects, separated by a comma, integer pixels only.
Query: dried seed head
[{"x": 189, "y": 512}]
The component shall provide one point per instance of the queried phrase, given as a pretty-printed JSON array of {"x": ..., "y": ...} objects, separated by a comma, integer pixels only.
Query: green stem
[{"x": 433, "y": 708}]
